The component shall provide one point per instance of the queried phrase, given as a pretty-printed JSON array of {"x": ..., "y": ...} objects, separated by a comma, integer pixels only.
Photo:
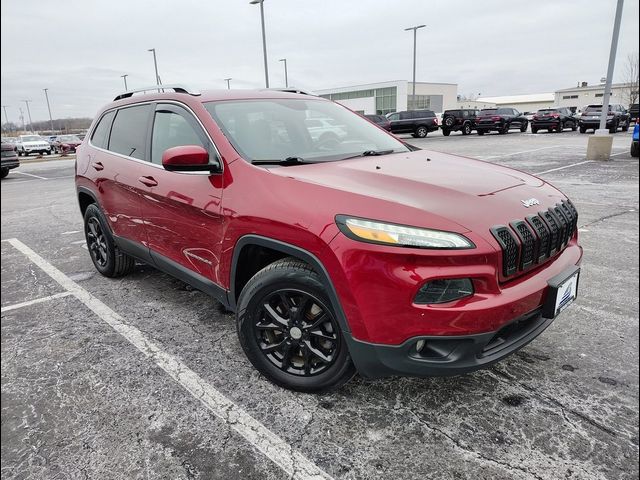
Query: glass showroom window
[{"x": 386, "y": 100}]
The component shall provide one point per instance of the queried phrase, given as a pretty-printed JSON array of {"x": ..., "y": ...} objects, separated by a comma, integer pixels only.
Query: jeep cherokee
[{"x": 357, "y": 253}]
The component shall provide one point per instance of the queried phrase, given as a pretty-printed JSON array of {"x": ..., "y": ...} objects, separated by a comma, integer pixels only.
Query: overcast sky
[{"x": 79, "y": 48}]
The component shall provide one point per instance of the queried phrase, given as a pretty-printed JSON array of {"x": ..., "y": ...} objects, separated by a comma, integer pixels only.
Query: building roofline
[
  {"x": 378, "y": 83},
  {"x": 592, "y": 87}
]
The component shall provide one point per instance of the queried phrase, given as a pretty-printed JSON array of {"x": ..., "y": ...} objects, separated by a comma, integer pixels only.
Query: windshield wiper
[
  {"x": 371, "y": 153},
  {"x": 286, "y": 162}
]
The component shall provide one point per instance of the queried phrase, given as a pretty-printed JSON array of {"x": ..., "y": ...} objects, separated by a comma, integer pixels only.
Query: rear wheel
[
  {"x": 583, "y": 129},
  {"x": 625, "y": 127},
  {"x": 504, "y": 129},
  {"x": 289, "y": 331},
  {"x": 523, "y": 127},
  {"x": 560, "y": 127},
  {"x": 4, "y": 172},
  {"x": 446, "y": 133},
  {"x": 480, "y": 132},
  {"x": 614, "y": 127},
  {"x": 574, "y": 127},
  {"x": 466, "y": 129},
  {"x": 421, "y": 132},
  {"x": 108, "y": 259},
  {"x": 534, "y": 129}
]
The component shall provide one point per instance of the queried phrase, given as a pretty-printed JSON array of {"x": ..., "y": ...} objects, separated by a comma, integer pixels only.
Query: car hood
[
  {"x": 35, "y": 143},
  {"x": 420, "y": 187}
]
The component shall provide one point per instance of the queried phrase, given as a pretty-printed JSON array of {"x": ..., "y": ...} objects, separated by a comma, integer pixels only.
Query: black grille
[
  {"x": 510, "y": 249},
  {"x": 541, "y": 236},
  {"x": 528, "y": 240},
  {"x": 544, "y": 235}
]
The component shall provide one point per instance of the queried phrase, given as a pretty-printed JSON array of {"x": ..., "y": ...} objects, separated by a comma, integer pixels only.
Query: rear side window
[
  {"x": 100, "y": 137},
  {"x": 129, "y": 131}
]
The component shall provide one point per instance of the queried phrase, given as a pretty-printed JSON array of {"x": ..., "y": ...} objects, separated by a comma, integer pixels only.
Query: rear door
[
  {"x": 116, "y": 165},
  {"x": 182, "y": 210}
]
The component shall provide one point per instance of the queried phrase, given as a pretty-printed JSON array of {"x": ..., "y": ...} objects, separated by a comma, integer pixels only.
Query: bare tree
[{"x": 631, "y": 78}]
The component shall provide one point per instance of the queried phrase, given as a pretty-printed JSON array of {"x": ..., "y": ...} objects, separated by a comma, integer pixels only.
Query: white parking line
[
  {"x": 34, "y": 302},
  {"x": 562, "y": 168},
  {"x": 293, "y": 463},
  {"x": 524, "y": 151},
  {"x": 31, "y": 175}
]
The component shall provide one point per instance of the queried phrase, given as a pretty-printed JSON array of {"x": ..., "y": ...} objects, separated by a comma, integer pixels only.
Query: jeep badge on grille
[{"x": 530, "y": 202}]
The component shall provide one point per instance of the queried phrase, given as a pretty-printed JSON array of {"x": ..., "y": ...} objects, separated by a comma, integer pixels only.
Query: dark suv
[
  {"x": 416, "y": 122},
  {"x": 617, "y": 117},
  {"x": 500, "y": 120},
  {"x": 463, "y": 120},
  {"x": 554, "y": 120},
  {"x": 337, "y": 254},
  {"x": 9, "y": 159}
]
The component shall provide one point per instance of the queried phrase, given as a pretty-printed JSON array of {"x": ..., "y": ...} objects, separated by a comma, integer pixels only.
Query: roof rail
[
  {"x": 175, "y": 87},
  {"x": 292, "y": 90}
]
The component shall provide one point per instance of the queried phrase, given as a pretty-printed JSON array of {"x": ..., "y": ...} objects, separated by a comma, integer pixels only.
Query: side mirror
[{"x": 187, "y": 158}]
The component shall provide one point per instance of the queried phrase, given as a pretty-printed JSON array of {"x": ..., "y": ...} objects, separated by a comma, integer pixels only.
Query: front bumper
[
  {"x": 10, "y": 163},
  {"x": 446, "y": 355},
  {"x": 36, "y": 149}
]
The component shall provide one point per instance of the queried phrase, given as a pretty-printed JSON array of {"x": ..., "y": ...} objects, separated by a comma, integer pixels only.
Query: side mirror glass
[{"x": 187, "y": 158}]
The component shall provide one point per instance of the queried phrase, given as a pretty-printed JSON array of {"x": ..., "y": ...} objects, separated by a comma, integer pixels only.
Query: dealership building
[
  {"x": 394, "y": 96},
  {"x": 579, "y": 97}
]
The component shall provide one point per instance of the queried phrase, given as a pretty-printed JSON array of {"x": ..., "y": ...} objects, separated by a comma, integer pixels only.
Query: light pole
[
  {"x": 46, "y": 94},
  {"x": 6, "y": 117},
  {"x": 124, "y": 77},
  {"x": 286, "y": 79},
  {"x": 264, "y": 40},
  {"x": 612, "y": 62},
  {"x": 415, "y": 29},
  {"x": 228, "y": 80},
  {"x": 24, "y": 129},
  {"x": 26, "y": 102},
  {"x": 155, "y": 65}
]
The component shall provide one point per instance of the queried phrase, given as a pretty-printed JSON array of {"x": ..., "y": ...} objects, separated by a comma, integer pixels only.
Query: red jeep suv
[{"x": 339, "y": 254}]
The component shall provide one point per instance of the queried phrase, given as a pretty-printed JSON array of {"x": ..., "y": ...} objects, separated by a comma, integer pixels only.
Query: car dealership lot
[{"x": 144, "y": 377}]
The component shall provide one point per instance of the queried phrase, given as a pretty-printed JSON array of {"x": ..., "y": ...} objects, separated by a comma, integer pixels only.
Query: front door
[{"x": 182, "y": 210}]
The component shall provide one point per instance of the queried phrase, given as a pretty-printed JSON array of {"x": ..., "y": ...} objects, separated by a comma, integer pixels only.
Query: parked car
[
  {"x": 416, "y": 122},
  {"x": 617, "y": 117},
  {"x": 13, "y": 141},
  {"x": 463, "y": 120},
  {"x": 333, "y": 259},
  {"x": 380, "y": 120},
  {"x": 9, "y": 159},
  {"x": 500, "y": 120},
  {"x": 554, "y": 120},
  {"x": 28, "y": 144},
  {"x": 634, "y": 112},
  {"x": 66, "y": 144},
  {"x": 635, "y": 149}
]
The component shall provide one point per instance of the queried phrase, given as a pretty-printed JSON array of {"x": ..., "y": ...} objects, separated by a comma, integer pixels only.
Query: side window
[
  {"x": 465, "y": 114},
  {"x": 174, "y": 127},
  {"x": 405, "y": 115},
  {"x": 515, "y": 112},
  {"x": 100, "y": 137},
  {"x": 395, "y": 116},
  {"x": 129, "y": 131}
]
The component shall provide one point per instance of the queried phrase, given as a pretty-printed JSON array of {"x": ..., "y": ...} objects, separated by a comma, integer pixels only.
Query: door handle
[
  {"x": 97, "y": 165},
  {"x": 148, "y": 181}
]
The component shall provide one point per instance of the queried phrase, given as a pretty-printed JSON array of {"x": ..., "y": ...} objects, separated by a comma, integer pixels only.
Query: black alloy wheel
[
  {"x": 523, "y": 127},
  {"x": 97, "y": 242},
  {"x": 466, "y": 129},
  {"x": 421, "y": 132},
  {"x": 297, "y": 333},
  {"x": 560, "y": 127}
]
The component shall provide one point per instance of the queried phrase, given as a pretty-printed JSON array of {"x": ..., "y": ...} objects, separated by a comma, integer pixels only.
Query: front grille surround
[{"x": 530, "y": 242}]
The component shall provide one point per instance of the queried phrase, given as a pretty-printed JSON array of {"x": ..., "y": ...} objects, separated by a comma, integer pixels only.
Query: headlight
[{"x": 400, "y": 235}]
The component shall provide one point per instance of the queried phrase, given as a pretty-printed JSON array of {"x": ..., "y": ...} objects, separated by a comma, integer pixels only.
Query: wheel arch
[
  {"x": 267, "y": 249},
  {"x": 85, "y": 198}
]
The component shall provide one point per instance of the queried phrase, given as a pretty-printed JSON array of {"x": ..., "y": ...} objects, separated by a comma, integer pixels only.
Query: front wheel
[
  {"x": 574, "y": 127},
  {"x": 583, "y": 129},
  {"x": 504, "y": 129},
  {"x": 289, "y": 331},
  {"x": 523, "y": 127},
  {"x": 421, "y": 132},
  {"x": 446, "y": 133},
  {"x": 560, "y": 127},
  {"x": 4, "y": 172},
  {"x": 108, "y": 259},
  {"x": 480, "y": 132},
  {"x": 534, "y": 129},
  {"x": 625, "y": 127}
]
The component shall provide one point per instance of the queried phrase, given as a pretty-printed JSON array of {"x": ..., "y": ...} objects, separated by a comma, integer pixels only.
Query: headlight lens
[{"x": 400, "y": 235}]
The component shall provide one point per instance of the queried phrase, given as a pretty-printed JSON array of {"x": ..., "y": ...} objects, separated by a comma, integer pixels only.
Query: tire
[
  {"x": 534, "y": 129},
  {"x": 583, "y": 129},
  {"x": 504, "y": 130},
  {"x": 635, "y": 149},
  {"x": 4, "y": 172},
  {"x": 614, "y": 127},
  {"x": 449, "y": 121},
  {"x": 47, "y": 152},
  {"x": 421, "y": 132},
  {"x": 466, "y": 129},
  {"x": 480, "y": 132},
  {"x": 574, "y": 127},
  {"x": 524, "y": 126},
  {"x": 108, "y": 259},
  {"x": 280, "y": 288},
  {"x": 446, "y": 133},
  {"x": 560, "y": 127},
  {"x": 625, "y": 127}
]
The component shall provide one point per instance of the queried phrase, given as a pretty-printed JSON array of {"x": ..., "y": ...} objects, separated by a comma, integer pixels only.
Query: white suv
[{"x": 32, "y": 144}]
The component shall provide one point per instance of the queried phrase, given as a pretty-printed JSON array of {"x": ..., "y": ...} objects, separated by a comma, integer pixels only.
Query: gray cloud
[{"x": 78, "y": 49}]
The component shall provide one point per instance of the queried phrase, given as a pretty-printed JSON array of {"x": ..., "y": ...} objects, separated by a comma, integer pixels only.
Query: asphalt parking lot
[{"x": 143, "y": 377}]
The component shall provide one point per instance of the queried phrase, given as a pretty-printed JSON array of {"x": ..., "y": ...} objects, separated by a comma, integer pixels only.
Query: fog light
[
  {"x": 419, "y": 345},
  {"x": 443, "y": 291}
]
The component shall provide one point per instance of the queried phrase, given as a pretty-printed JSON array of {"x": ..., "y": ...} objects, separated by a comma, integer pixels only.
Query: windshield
[
  {"x": 488, "y": 111},
  {"x": 30, "y": 138},
  {"x": 312, "y": 130},
  {"x": 547, "y": 111},
  {"x": 595, "y": 109}
]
